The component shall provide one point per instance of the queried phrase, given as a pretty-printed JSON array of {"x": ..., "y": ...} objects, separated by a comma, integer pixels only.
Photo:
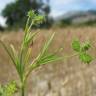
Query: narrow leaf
[
  {"x": 46, "y": 46},
  {"x": 50, "y": 59},
  {"x": 8, "y": 51}
]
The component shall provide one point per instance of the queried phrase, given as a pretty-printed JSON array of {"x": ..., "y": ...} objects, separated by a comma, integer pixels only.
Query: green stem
[
  {"x": 23, "y": 89},
  {"x": 70, "y": 56}
]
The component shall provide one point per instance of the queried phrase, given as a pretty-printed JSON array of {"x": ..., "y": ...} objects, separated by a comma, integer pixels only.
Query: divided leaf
[
  {"x": 85, "y": 46},
  {"x": 86, "y": 58},
  {"x": 9, "y": 89},
  {"x": 76, "y": 45}
]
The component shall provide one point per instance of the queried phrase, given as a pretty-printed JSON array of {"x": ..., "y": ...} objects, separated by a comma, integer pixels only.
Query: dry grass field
[{"x": 64, "y": 78}]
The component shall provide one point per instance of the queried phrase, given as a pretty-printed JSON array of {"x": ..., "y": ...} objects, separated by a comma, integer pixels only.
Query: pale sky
[{"x": 59, "y": 7}]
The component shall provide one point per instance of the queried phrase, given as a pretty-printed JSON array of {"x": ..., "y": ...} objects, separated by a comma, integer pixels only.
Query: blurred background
[
  {"x": 61, "y": 13},
  {"x": 69, "y": 19}
]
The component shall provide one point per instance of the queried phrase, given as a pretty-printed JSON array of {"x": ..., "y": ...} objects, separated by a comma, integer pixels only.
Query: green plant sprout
[{"x": 21, "y": 58}]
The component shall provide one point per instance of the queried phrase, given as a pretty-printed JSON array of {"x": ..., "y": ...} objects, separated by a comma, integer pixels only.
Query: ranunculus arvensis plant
[{"x": 21, "y": 57}]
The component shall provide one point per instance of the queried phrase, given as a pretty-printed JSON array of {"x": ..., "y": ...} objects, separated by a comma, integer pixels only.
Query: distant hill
[{"x": 78, "y": 17}]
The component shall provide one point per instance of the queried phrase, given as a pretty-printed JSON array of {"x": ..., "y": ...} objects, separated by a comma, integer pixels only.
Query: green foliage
[
  {"x": 9, "y": 89},
  {"x": 21, "y": 58},
  {"x": 46, "y": 57},
  {"x": 65, "y": 23},
  {"x": 86, "y": 58},
  {"x": 16, "y": 12},
  {"x": 86, "y": 46},
  {"x": 76, "y": 45},
  {"x": 1, "y": 91},
  {"x": 82, "y": 50}
]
